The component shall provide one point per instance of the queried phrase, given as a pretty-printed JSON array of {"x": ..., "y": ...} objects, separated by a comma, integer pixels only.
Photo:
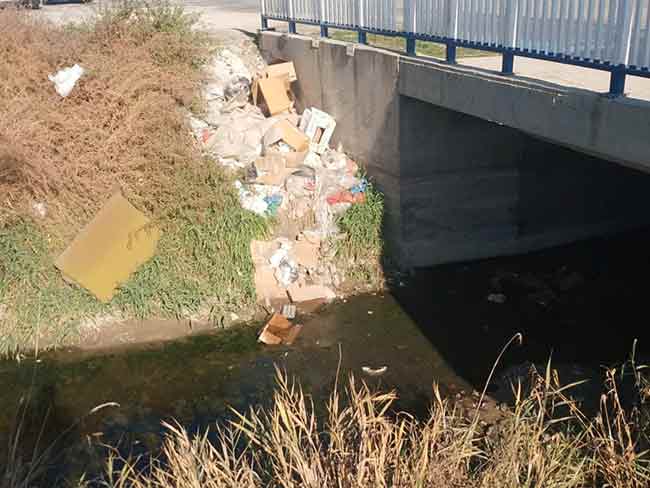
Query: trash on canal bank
[
  {"x": 279, "y": 330},
  {"x": 374, "y": 371},
  {"x": 284, "y": 131},
  {"x": 499, "y": 298},
  {"x": 287, "y": 171},
  {"x": 289, "y": 311},
  {"x": 109, "y": 249},
  {"x": 307, "y": 293},
  {"x": 319, "y": 128},
  {"x": 65, "y": 79},
  {"x": 273, "y": 95}
]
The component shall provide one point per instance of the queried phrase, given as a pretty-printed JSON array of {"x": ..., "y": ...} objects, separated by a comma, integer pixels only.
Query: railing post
[
  {"x": 508, "y": 63},
  {"x": 292, "y": 16},
  {"x": 450, "y": 52},
  {"x": 324, "y": 31},
  {"x": 622, "y": 48},
  {"x": 509, "y": 36},
  {"x": 617, "y": 81},
  {"x": 409, "y": 16},
  {"x": 451, "y": 18},
  {"x": 264, "y": 20},
  {"x": 410, "y": 45},
  {"x": 361, "y": 17},
  {"x": 624, "y": 31}
]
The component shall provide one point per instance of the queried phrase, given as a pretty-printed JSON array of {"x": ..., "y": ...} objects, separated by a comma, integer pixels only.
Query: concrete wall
[{"x": 457, "y": 186}]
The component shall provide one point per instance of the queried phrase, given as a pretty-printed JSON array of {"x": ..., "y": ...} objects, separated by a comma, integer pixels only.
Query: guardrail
[{"x": 610, "y": 35}]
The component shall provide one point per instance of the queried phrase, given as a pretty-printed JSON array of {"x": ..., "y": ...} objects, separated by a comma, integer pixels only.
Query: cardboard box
[
  {"x": 273, "y": 91},
  {"x": 282, "y": 70},
  {"x": 319, "y": 128},
  {"x": 279, "y": 330},
  {"x": 272, "y": 169},
  {"x": 290, "y": 134},
  {"x": 310, "y": 292},
  {"x": 306, "y": 254},
  {"x": 295, "y": 159},
  {"x": 266, "y": 286},
  {"x": 109, "y": 249}
]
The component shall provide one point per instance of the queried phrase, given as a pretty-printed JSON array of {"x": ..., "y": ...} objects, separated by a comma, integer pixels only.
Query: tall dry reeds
[{"x": 545, "y": 440}]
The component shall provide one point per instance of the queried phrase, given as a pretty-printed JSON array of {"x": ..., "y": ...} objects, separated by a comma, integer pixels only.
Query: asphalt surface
[{"x": 214, "y": 14}]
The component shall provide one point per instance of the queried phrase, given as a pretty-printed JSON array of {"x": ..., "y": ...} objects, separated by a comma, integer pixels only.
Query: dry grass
[
  {"x": 122, "y": 125},
  {"x": 544, "y": 441}
]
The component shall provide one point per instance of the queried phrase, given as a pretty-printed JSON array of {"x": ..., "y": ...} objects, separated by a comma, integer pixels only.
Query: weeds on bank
[
  {"x": 123, "y": 126},
  {"x": 361, "y": 248},
  {"x": 36, "y": 300},
  {"x": 544, "y": 441}
]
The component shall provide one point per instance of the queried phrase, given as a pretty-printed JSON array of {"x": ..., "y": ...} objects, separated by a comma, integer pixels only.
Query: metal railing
[{"x": 611, "y": 35}]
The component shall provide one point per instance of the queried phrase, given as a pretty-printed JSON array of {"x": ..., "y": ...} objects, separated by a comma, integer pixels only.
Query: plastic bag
[
  {"x": 286, "y": 273},
  {"x": 65, "y": 80}
]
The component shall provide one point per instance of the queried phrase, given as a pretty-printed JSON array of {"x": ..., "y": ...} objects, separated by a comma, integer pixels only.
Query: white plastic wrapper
[{"x": 65, "y": 80}]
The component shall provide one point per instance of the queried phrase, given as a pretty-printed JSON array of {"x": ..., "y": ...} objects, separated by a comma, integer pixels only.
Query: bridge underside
[{"x": 476, "y": 165}]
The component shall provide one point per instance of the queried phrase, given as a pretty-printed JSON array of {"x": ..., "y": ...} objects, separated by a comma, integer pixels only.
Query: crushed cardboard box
[
  {"x": 109, "y": 249},
  {"x": 266, "y": 285},
  {"x": 273, "y": 88},
  {"x": 306, "y": 293},
  {"x": 278, "y": 330},
  {"x": 286, "y": 132},
  {"x": 272, "y": 169},
  {"x": 274, "y": 93},
  {"x": 282, "y": 70},
  {"x": 306, "y": 254},
  {"x": 295, "y": 159}
]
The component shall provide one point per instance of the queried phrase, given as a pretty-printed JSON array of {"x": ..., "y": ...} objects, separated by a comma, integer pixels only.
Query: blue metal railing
[{"x": 608, "y": 35}]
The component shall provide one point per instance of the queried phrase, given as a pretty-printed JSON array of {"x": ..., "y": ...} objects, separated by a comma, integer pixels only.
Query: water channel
[{"x": 583, "y": 304}]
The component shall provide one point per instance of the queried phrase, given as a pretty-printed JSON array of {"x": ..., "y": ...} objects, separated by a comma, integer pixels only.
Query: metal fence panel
[{"x": 606, "y": 31}]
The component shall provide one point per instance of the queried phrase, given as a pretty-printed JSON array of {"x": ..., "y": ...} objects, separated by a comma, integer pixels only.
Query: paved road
[{"x": 216, "y": 15}]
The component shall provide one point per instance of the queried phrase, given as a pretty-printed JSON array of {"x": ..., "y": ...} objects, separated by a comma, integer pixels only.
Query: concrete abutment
[{"x": 467, "y": 176}]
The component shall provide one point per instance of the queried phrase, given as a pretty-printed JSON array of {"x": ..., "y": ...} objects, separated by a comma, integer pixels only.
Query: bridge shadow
[{"x": 582, "y": 304}]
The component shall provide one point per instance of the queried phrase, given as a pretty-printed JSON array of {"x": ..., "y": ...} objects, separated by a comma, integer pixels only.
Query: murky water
[
  {"x": 198, "y": 380},
  {"x": 584, "y": 304}
]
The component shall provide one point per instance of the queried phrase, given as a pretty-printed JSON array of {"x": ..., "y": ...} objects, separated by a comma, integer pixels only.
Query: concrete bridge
[{"x": 475, "y": 163}]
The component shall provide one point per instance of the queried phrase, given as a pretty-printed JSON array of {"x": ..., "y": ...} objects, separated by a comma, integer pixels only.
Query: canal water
[{"x": 582, "y": 305}]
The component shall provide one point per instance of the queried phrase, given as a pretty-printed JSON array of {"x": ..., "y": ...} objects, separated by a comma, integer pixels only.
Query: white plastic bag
[{"x": 65, "y": 80}]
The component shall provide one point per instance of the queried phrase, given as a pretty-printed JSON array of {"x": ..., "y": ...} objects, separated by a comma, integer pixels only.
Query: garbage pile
[{"x": 288, "y": 172}]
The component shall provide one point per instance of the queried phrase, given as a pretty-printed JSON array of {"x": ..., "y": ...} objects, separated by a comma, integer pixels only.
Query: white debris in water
[
  {"x": 499, "y": 298},
  {"x": 374, "y": 371}
]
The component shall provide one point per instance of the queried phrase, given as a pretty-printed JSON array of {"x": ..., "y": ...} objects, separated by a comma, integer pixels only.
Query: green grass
[
  {"x": 35, "y": 297},
  {"x": 361, "y": 249},
  {"x": 203, "y": 259},
  {"x": 422, "y": 48},
  {"x": 203, "y": 256}
]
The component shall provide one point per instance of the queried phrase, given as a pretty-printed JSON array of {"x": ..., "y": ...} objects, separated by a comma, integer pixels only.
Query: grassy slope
[
  {"x": 122, "y": 126},
  {"x": 114, "y": 129},
  {"x": 360, "y": 251}
]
